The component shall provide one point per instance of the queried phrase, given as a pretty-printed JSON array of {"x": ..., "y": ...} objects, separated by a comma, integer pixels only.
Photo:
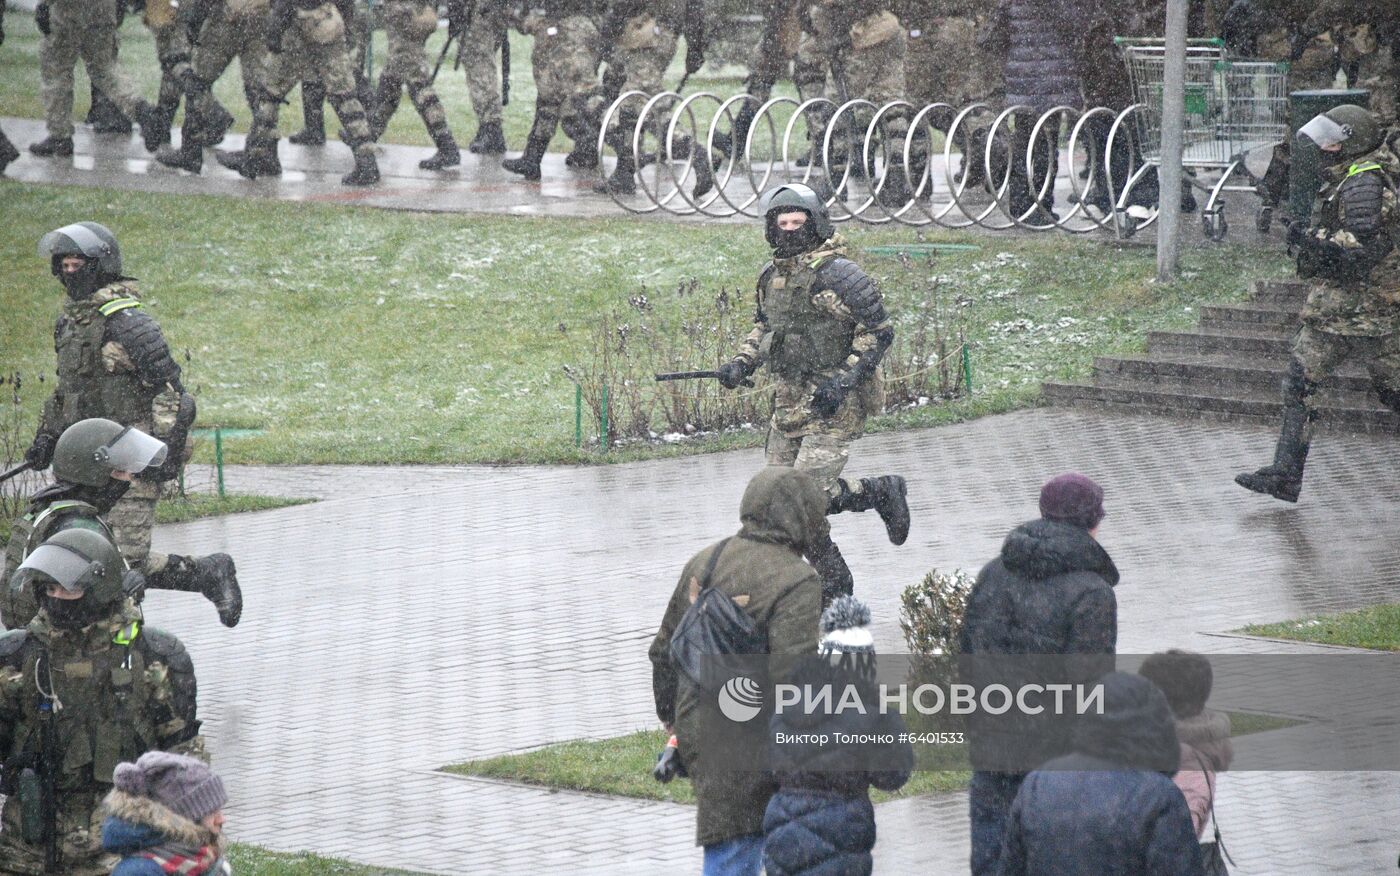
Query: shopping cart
[{"x": 1232, "y": 107}]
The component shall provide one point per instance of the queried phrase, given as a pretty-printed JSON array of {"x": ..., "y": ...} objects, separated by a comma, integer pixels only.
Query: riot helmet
[
  {"x": 790, "y": 198},
  {"x": 85, "y": 565},
  {"x": 90, "y": 450},
  {"x": 93, "y": 242},
  {"x": 1351, "y": 127}
]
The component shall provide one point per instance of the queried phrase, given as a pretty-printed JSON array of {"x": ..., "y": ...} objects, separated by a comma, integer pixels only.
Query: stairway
[{"x": 1229, "y": 368}]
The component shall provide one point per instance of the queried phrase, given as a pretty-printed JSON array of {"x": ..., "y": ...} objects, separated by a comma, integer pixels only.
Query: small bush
[{"x": 931, "y": 615}]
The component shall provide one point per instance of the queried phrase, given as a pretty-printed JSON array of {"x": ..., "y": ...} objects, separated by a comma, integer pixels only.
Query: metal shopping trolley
[{"x": 1233, "y": 108}]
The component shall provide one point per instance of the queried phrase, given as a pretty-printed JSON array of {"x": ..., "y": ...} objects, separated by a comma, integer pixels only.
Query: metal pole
[
  {"x": 1173, "y": 121},
  {"x": 219, "y": 457},
  {"x": 967, "y": 369}
]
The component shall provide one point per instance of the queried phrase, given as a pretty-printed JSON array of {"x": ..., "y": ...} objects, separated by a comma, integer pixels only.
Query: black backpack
[{"x": 713, "y": 628}]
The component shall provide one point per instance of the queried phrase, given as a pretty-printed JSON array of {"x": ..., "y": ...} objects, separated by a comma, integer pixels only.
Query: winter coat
[
  {"x": 820, "y": 822},
  {"x": 1041, "y": 64},
  {"x": 783, "y": 511},
  {"x": 136, "y": 824},
  {"x": 1205, "y": 751},
  {"x": 1050, "y": 592},
  {"x": 1110, "y": 808}
]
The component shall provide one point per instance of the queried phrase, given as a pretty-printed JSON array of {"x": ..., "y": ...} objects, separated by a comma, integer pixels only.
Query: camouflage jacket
[{"x": 1368, "y": 307}]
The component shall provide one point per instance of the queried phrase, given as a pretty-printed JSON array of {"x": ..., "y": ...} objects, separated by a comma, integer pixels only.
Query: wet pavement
[{"x": 417, "y": 617}]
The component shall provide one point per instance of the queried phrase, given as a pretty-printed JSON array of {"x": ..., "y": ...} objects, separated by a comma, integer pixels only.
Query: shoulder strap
[
  {"x": 117, "y": 305},
  {"x": 1215, "y": 823},
  {"x": 710, "y": 566}
]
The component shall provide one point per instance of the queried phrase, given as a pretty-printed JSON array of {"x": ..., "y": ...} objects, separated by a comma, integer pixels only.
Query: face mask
[
  {"x": 795, "y": 243},
  {"x": 104, "y": 497},
  {"x": 72, "y": 614},
  {"x": 81, "y": 283}
]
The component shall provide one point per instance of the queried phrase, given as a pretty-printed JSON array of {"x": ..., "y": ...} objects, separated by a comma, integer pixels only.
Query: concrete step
[
  {"x": 1209, "y": 372},
  {"x": 1255, "y": 318},
  {"x": 1211, "y": 341},
  {"x": 1255, "y": 406}
]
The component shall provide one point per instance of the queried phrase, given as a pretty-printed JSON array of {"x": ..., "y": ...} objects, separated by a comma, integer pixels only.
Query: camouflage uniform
[
  {"x": 947, "y": 60},
  {"x": 84, "y": 30},
  {"x": 565, "y": 57},
  {"x": 313, "y": 45},
  {"x": 124, "y": 689},
  {"x": 1370, "y": 64},
  {"x": 479, "y": 53},
  {"x": 100, "y": 377},
  {"x": 408, "y": 24}
]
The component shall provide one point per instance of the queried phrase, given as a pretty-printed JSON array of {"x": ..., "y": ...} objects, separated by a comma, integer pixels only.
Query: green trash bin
[{"x": 1304, "y": 172}]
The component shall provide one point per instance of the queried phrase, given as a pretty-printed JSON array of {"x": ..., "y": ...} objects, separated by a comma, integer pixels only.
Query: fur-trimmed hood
[{"x": 163, "y": 824}]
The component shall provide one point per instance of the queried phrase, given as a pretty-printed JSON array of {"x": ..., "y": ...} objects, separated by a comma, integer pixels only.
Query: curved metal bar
[
  {"x": 955, "y": 190},
  {"x": 733, "y": 160},
  {"x": 839, "y": 189},
  {"x": 916, "y": 192},
  {"x": 1121, "y": 203},
  {"x": 613, "y": 109},
  {"x": 764, "y": 112},
  {"x": 639, "y": 137},
  {"x": 879, "y": 185},
  {"x": 1106, "y": 220},
  {"x": 1002, "y": 192},
  {"x": 1048, "y": 186},
  {"x": 710, "y": 197}
]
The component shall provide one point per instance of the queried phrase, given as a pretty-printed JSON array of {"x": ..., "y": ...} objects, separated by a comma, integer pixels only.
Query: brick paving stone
[{"x": 417, "y": 617}]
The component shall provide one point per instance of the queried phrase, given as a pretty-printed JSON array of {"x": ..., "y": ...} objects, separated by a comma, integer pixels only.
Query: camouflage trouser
[
  {"x": 80, "y": 30},
  {"x": 1379, "y": 73},
  {"x": 132, "y": 520},
  {"x": 874, "y": 73},
  {"x": 565, "y": 65},
  {"x": 822, "y": 455},
  {"x": 819, "y": 446},
  {"x": 1320, "y": 353},
  {"x": 313, "y": 48},
  {"x": 645, "y": 51},
  {"x": 945, "y": 65},
  {"x": 80, "y": 824},
  {"x": 229, "y": 34},
  {"x": 479, "y": 52},
  {"x": 408, "y": 24}
]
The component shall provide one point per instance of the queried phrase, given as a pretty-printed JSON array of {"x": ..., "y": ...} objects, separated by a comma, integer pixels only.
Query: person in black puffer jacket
[
  {"x": 1110, "y": 808},
  {"x": 1049, "y": 593},
  {"x": 821, "y": 822}
]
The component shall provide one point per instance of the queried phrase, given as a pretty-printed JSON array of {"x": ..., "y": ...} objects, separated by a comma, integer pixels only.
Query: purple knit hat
[
  {"x": 183, "y": 785},
  {"x": 1072, "y": 498}
]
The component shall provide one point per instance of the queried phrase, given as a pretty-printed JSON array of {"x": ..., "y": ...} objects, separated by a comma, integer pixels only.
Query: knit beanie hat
[
  {"x": 184, "y": 785},
  {"x": 1072, "y": 498},
  {"x": 846, "y": 634}
]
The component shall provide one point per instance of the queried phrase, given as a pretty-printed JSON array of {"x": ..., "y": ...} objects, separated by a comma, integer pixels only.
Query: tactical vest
[
  {"x": 88, "y": 389},
  {"x": 807, "y": 340},
  {"x": 19, "y": 605},
  {"x": 95, "y": 688},
  {"x": 1330, "y": 215}
]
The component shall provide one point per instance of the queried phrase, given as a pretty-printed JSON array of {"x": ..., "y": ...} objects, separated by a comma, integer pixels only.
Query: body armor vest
[
  {"x": 94, "y": 687},
  {"x": 808, "y": 339},
  {"x": 18, "y": 606},
  {"x": 88, "y": 388}
]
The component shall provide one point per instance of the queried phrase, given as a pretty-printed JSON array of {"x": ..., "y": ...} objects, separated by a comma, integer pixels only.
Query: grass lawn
[
  {"x": 196, "y": 505},
  {"x": 19, "y": 86},
  {"x": 1376, "y": 627},
  {"x": 365, "y": 336},
  {"x": 622, "y": 765},
  {"x": 253, "y": 861}
]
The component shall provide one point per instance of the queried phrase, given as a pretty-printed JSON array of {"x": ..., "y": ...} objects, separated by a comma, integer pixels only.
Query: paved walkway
[{"x": 423, "y": 616}]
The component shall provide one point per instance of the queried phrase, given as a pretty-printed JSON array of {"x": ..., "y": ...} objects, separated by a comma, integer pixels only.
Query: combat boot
[
  {"x": 447, "y": 154},
  {"x": 886, "y": 494},
  {"x": 257, "y": 159},
  {"x": 1284, "y": 478},
  {"x": 51, "y": 147},
  {"x": 366, "y": 170},
  {"x": 212, "y": 126},
  {"x": 313, "y": 114},
  {"x": 836, "y": 576},
  {"x": 489, "y": 140},
  {"x": 214, "y": 577},
  {"x": 190, "y": 156},
  {"x": 8, "y": 152},
  {"x": 106, "y": 117},
  {"x": 155, "y": 121},
  {"x": 528, "y": 164},
  {"x": 584, "y": 155}
]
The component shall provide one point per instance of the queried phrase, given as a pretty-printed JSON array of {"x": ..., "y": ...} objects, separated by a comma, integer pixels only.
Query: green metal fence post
[
  {"x": 967, "y": 368},
  {"x": 578, "y": 415},
  {"x": 219, "y": 457}
]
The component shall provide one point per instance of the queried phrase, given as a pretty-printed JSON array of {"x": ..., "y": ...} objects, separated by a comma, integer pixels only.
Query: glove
[
  {"x": 134, "y": 585},
  {"x": 828, "y": 397},
  {"x": 41, "y": 18},
  {"x": 732, "y": 374},
  {"x": 40, "y": 453},
  {"x": 1297, "y": 233}
]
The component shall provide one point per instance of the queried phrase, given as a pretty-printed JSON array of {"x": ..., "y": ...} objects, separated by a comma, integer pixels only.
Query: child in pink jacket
[{"x": 1186, "y": 678}]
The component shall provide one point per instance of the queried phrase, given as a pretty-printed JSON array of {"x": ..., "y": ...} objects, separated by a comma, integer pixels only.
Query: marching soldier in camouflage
[
  {"x": 821, "y": 328},
  {"x": 306, "y": 39},
  {"x": 78, "y": 29},
  {"x": 640, "y": 37},
  {"x": 408, "y": 24},
  {"x": 95, "y": 462},
  {"x": 228, "y": 29},
  {"x": 1353, "y": 308},
  {"x": 83, "y": 687},
  {"x": 172, "y": 24},
  {"x": 113, "y": 363},
  {"x": 478, "y": 53},
  {"x": 313, "y": 91},
  {"x": 565, "y": 60}
]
